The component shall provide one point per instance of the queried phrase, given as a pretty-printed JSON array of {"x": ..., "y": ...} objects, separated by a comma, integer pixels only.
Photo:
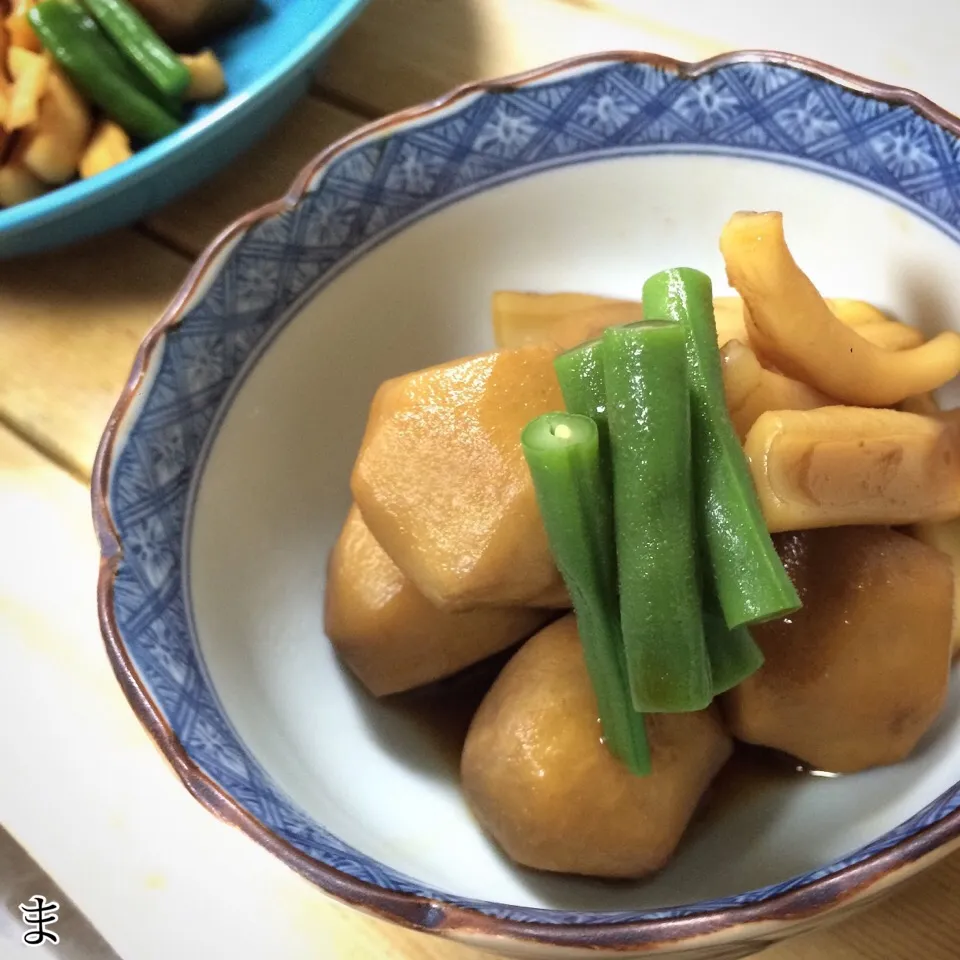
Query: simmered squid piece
[
  {"x": 752, "y": 390},
  {"x": 791, "y": 325},
  {"x": 836, "y": 466}
]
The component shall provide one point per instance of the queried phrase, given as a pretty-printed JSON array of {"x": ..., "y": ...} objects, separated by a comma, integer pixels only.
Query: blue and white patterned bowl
[{"x": 222, "y": 477}]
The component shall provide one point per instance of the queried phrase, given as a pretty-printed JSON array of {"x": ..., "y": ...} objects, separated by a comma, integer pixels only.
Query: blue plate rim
[{"x": 865, "y": 878}]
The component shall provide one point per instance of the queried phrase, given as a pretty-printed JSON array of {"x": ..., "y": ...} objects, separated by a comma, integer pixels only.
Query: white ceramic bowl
[{"x": 222, "y": 480}]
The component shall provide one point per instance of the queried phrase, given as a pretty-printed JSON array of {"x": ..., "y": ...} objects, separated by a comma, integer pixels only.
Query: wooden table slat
[
  {"x": 70, "y": 324},
  {"x": 398, "y": 53}
]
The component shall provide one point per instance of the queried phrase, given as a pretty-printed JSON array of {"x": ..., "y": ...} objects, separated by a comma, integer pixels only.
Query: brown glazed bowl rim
[{"x": 773, "y": 917}]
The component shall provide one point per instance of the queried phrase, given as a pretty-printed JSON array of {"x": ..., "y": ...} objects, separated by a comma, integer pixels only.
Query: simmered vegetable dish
[
  {"x": 83, "y": 83},
  {"x": 703, "y": 522}
]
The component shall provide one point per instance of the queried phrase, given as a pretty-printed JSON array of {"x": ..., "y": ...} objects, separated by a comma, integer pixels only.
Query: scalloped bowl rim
[{"x": 775, "y": 916}]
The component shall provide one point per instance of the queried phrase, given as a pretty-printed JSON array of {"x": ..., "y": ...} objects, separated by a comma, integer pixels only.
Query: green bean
[
  {"x": 141, "y": 45},
  {"x": 648, "y": 408},
  {"x": 734, "y": 655},
  {"x": 749, "y": 579},
  {"x": 75, "y": 43},
  {"x": 580, "y": 373},
  {"x": 562, "y": 452}
]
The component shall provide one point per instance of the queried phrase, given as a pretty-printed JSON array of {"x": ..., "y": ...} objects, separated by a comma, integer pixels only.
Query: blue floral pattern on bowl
[{"x": 757, "y": 106}]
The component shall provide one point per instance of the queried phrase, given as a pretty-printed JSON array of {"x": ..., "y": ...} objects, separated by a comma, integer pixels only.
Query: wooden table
[{"x": 82, "y": 786}]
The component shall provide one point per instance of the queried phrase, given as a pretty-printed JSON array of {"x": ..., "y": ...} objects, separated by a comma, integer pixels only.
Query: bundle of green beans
[
  {"x": 117, "y": 60},
  {"x": 652, "y": 516}
]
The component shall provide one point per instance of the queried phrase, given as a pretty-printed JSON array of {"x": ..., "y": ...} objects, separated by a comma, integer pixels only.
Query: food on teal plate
[
  {"x": 544, "y": 785},
  {"x": 711, "y": 524},
  {"x": 85, "y": 83},
  {"x": 856, "y": 676},
  {"x": 390, "y": 636},
  {"x": 102, "y": 72},
  {"x": 51, "y": 145},
  {"x": 187, "y": 23},
  {"x": 140, "y": 45}
]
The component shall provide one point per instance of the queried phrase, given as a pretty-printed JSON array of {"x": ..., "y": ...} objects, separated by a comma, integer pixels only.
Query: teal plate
[{"x": 268, "y": 62}]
